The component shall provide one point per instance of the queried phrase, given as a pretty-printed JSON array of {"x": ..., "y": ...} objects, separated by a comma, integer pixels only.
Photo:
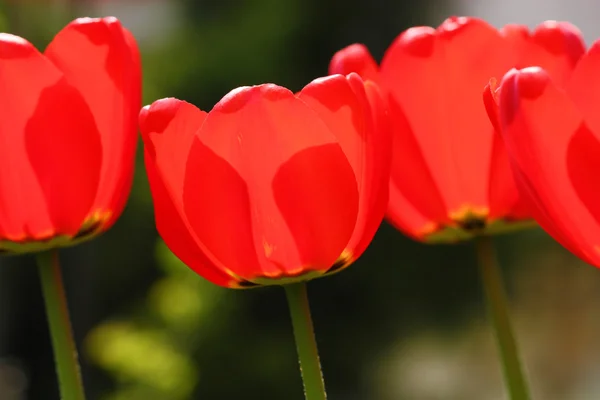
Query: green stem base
[
  {"x": 65, "y": 352},
  {"x": 308, "y": 355},
  {"x": 498, "y": 309}
]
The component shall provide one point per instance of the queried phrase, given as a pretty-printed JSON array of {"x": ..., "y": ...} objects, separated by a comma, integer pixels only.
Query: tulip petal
[
  {"x": 435, "y": 77},
  {"x": 403, "y": 215},
  {"x": 168, "y": 127},
  {"x": 415, "y": 199},
  {"x": 505, "y": 201},
  {"x": 356, "y": 114},
  {"x": 375, "y": 190},
  {"x": 549, "y": 144},
  {"x": 354, "y": 58},
  {"x": 100, "y": 58},
  {"x": 268, "y": 189},
  {"x": 310, "y": 184},
  {"x": 50, "y": 150},
  {"x": 555, "y": 46},
  {"x": 584, "y": 86},
  {"x": 504, "y": 198},
  {"x": 177, "y": 234},
  {"x": 490, "y": 101},
  {"x": 416, "y": 203}
]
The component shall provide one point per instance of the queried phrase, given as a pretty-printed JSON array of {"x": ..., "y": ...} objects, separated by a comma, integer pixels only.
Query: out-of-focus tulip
[
  {"x": 67, "y": 134},
  {"x": 450, "y": 176},
  {"x": 551, "y": 130},
  {"x": 270, "y": 187}
]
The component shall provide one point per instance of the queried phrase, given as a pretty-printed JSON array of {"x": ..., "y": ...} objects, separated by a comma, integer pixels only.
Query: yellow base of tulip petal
[
  {"x": 342, "y": 262},
  {"x": 471, "y": 223},
  {"x": 90, "y": 228},
  {"x": 286, "y": 280},
  {"x": 457, "y": 233}
]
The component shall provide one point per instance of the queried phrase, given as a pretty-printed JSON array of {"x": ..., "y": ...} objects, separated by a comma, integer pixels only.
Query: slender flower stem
[
  {"x": 65, "y": 352},
  {"x": 514, "y": 376},
  {"x": 308, "y": 355}
]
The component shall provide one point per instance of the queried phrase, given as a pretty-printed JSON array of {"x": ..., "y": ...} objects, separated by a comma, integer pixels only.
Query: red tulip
[
  {"x": 68, "y": 133},
  {"x": 270, "y": 187},
  {"x": 551, "y": 130},
  {"x": 450, "y": 176}
]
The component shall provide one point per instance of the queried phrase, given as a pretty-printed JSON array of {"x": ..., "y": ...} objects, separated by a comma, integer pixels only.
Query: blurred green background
[{"x": 407, "y": 321}]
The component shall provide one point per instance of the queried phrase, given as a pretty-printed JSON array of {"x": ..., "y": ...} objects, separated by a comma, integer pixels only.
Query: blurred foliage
[{"x": 149, "y": 354}]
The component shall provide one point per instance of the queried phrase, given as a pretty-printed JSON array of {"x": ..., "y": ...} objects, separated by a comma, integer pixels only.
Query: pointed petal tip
[
  {"x": 508, "y": 75},
  {"x": 355, "y": 51},
  {"x": 515, "y": 30},
  {"x": 527, "y": 83},
  {"x": 457, "y": 24},
  {"x": 96, "y": 29},
  {"x": 145, "y": 109},
  {"x": 562, "y": 27},
  {"x": 560, "y": 37},
  {"x": 491, "y": 101},
  {"x": 454, "y": 23},
  {"x": 99, "y": 31},
  {"x": 531, "y": 82},
  {"x": 352, "y": 78},
  {"x": 350, "y": 58},
  {"x": 9, "y": 38},
  {"x": 89, "y": 20},
  {"x": 324, "y": 80},
  {"x": 239, "y": 97},
  {"x": 154, "y": 118},
  {"x": 354, "y": 58},
  {"x": 595, "y": 47},
  {"x": 418, "y": 41},
  {"x": 143, "y": 118},
  {"x": 492, "y": 86},
  {"x": 13, "y": 46}
]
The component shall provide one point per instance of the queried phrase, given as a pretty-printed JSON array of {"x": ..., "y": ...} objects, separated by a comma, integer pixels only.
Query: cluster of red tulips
[{"x": 462, "y": 131}]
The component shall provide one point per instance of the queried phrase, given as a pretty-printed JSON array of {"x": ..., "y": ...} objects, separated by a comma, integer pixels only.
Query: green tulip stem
[
  {"x": 491, "y": 278},
  {"x": 61, "y": 333},
  {"x": 308, "y": 355}
]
